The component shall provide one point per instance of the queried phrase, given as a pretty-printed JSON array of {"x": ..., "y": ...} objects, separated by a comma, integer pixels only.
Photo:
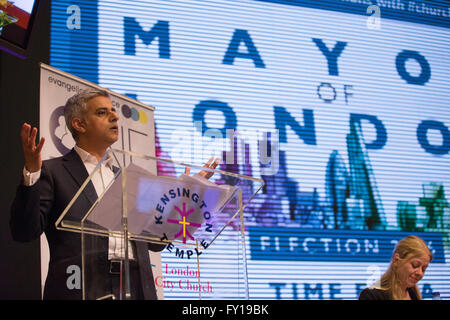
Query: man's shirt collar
[{"x": 89, "y": 158}]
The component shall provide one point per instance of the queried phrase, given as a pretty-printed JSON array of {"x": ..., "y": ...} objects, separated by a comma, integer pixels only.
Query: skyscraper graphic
[
  {"x": 231, "y": 162},
  {"x": 278, "y": 187},
  {"x": 407, "y": 216},
  {"x": 435, "y": 205},
  {"x": 267, "y": 208},
  {"x": 238, "y": 166},
  {"x": 310, "y": 211},
  {"x": 337, "y": 190},
  {"x": 363, "y": 188}
]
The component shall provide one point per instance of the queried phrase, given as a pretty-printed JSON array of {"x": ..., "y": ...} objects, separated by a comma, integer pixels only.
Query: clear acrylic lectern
[{"x": 198, "y": 221}]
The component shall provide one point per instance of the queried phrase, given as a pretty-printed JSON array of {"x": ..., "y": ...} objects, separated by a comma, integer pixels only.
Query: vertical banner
[{"x": 136, "y": 126}]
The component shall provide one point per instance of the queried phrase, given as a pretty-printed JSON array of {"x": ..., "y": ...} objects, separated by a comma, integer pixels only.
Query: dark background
[{"x": 20, "y": 275}]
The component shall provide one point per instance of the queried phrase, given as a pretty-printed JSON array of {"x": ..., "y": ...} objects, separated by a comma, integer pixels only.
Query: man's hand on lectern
[
  {"x": 31, "y": 151},
  {"x": 209, "y": 164}
]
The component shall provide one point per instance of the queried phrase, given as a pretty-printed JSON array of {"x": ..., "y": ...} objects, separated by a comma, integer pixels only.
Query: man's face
[{"x": 101, "y": 121}]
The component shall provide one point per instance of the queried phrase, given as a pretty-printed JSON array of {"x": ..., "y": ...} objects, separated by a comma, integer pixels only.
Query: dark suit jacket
[{"x": 35, "y": 210}]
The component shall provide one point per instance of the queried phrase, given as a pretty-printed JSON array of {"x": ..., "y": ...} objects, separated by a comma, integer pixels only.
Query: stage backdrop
[
  {"x": 356, "y": 100},
  {"x": 136, "y": 128}
]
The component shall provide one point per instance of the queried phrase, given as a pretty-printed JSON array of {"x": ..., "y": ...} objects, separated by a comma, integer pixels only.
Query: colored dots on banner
[{"x": 133, "y": 113}]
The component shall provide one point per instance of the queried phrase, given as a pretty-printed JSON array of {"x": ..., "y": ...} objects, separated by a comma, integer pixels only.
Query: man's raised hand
[
  {"x": 211, "y": 163},
  {"x": 31, "y": 151}
]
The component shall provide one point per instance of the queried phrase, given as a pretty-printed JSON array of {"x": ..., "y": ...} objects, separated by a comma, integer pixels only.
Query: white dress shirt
[{"x": 101, "y": 179}]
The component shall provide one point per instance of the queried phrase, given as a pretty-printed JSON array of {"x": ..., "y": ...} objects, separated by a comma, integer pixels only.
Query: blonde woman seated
[{"x": 409, "y": 262}]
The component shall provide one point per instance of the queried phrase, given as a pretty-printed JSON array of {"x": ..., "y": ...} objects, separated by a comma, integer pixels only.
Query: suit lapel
[{"x": 73, "y": 164}]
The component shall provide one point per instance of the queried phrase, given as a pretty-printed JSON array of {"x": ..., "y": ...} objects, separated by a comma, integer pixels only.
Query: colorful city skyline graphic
[{"x": 351, "y": 200}]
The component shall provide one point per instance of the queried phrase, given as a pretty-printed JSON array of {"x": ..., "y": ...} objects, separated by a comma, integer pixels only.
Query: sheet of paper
[{"x": 161, "y": 206}]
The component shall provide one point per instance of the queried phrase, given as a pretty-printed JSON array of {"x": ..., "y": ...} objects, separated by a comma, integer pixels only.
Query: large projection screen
[{"x": 353, "y": 95}]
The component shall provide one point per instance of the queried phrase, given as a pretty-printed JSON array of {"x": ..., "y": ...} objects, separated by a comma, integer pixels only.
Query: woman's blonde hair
[{"x": 407, "y": 248}]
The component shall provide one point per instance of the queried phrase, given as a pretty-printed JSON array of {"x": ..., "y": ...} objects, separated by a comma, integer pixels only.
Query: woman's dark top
[{"x": 378, "y": 294}]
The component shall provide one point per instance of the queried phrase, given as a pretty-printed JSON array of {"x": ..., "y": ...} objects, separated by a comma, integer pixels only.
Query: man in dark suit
[{"x": 48, "y": 186}]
